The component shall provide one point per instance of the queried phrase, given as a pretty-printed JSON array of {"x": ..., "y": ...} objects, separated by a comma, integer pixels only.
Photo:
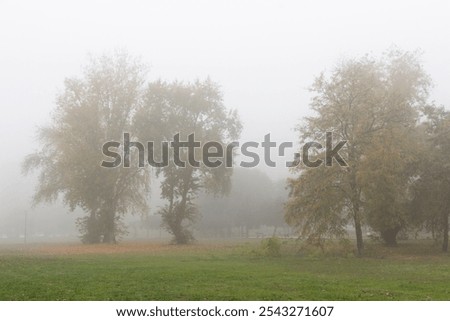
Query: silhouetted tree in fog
[
  {"x": 371, "y": 105},
  {"x": 93, "y": 109},
  {"x": 184, "y": 109}
]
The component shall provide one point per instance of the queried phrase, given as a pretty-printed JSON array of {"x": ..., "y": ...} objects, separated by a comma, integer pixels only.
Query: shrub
[{"x": 272, "y": 246}]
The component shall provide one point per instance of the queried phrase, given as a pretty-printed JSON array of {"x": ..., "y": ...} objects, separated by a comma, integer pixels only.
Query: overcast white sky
[{"x": 263, "y": 53}]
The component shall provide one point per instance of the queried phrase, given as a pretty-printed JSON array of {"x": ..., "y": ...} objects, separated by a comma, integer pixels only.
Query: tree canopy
[
  {"x": 372, "y": 105},
  {"x": 180, "y": 110},
  {"x": 91, "y": 110}
]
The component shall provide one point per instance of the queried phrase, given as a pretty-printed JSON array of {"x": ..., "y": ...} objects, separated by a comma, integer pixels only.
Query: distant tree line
[{"x": 254, "y": 201}]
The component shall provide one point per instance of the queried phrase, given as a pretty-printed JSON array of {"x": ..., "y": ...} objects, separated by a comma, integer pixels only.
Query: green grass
[{"x": 240, "y": 272}]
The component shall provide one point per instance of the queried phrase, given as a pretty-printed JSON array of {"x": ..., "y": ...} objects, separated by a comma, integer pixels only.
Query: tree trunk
[
  {"x": 109, "y": 238},
  {"x": 445, "y": 232},
  {"x": 180, "y": 238},
  {"x": 91, "y": 229},
  {"x": 357, "y": 221},
  {"x": 181, "y": 233},
  {"x": 355, "y": 199},
  {"x": 389, "y": 236},
  {"x": 109, "y": 235},
  {"x": 359, "y": 236}
]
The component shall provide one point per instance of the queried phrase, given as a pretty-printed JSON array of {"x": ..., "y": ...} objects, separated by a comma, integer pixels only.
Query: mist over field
[
  {"x": 263, "y": 55},
  {"x": 198, "y": 150}
]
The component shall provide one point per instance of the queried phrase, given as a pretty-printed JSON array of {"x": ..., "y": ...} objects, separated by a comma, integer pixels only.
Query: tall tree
[
  {"x": 359, "y": 101},
  {"x": 390, "y": 164},
  {"x": 181, "y": 110},
  {"x": 89, "y": 112},
  {"x": 432, "y": 184}
]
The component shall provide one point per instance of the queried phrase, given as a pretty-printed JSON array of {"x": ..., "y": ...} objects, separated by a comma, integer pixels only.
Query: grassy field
[{"x": 142, "y": 271}]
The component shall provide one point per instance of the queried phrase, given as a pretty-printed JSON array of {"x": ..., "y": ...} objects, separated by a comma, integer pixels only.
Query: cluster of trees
[
  {"x": 112, "y": 98},
  {"x": 397, "y": 150}
]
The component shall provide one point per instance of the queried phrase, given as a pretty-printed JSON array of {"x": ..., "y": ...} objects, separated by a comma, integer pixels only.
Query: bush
[{"x": 272, "y": 246}]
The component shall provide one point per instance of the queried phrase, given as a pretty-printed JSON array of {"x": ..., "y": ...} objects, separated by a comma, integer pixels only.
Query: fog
[{"x": 264, "y": 55}]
